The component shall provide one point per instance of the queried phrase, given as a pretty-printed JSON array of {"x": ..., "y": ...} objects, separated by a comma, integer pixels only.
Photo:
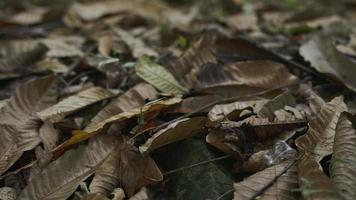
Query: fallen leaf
[
  {"x": 136, "y": 45},
  {"x": 21, "y": 62},
  {"x": 279, "y": 102},
  {"x": 128, "y": 167},
  {"x": 30, "y": 17},
  {"x": 325, "y": 58},
  {"x": 182, "y": 129},
  {"x": 313, "y": 183},
  {"x": 9, "y": 152},
  {"x": 343, "y": 172},
  {"x": 281, "y": 189},
  {"x": 73, "y": 103},
  {"x": 95, "y": 196},
  {"x": 158, "y": 76},
  {"x": 61, "y": 177},
  {"x": 133, "y": 98},
  {"x": 319, "y": 139}
]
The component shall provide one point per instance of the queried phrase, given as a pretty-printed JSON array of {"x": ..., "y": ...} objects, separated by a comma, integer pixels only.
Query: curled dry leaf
[
  {"x": 343, "y": 171},
  {"x": 119, "y": 119},
  {"x": 133, "y": 98},
  {"x": 281, "y": 189},
  {"x": 182, "y": 129},
  {"x": 128, "y": 167},
  {"x": 279, "y": 102},
  {"x": 136, "y": 45},
  {"x": 158, "y": 76},
  {"x": 324, "y": 57},
  {"x": 21, "y": 62},
  {"x": 33, "y": 96},
  {"x": 61, "y": 177},
  {"x": 186, "y": 66},
  {"x": 313, "y": 183},
  {"x": 49, "y": 136},
  {"x": 319, "y": 139},
  {"x": 73, "y": 103}
]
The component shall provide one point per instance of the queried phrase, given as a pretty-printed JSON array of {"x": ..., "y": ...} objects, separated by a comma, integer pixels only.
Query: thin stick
[
  {"x": 225, "y": 194},
  {"x": 197, "y": 164},
  {"x": 270, "y": 183}
]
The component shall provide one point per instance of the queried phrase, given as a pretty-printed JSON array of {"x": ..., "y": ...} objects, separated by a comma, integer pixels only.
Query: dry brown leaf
[
  {"x": 281, "y": 189},
  {"x": 128, "y": 167},
  {"x": 185, "y": 67},
  {"x": 279, "y": 102},
  {"x": 191, "y": 104},
  {"x": 324, "y": 57},
  {"x": 51, "y": 64},
  {"x": 61, "y": 177},
  {"x": 119, "y": 119},
  {"x": 20, "y": 62},
  {"x": 319, "y": 139},
  {"x": 73, "y": 103},
  {"x": 343, "y": 171},
  {"x": 133, "y": 98},
  {"x": 59, "y": 46},
  {"x": 313, "y": 183},
  {"x": 30, "y": 17},
  {"x": 9, "y": 152},
  {"x": 222, "y": 111},
  {"x": 105, "y": 45},
  {"x": 8, "y": 193},
  {"x": 49, "y": 136},
  {"x": 179, "y": 130},
  {"x": 33, "y": 96},
  {"x": 136, "y": 45}
]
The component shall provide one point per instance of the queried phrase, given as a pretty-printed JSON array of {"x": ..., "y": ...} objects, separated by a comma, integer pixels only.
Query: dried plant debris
[{"x": 168, "y": 99}]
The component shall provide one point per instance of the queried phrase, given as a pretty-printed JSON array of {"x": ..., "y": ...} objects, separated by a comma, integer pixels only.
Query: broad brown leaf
[
  {"x": 281, "y": 189},
  {"x": 319, "y": 139},
  {"x": 73, "y": 103},
  {"x": 313, "y": 183},
  {"x": 9, "y": 151},
  {"x": 324, "y": 57},
  {"x": 61, "y": 177},
  {"x": 125, "y": 165},
  {"x": 133, "y": 98},
  {"x": 343, "y": 171}
]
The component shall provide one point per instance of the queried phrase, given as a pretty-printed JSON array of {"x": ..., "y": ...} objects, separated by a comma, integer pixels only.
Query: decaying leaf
[
  {"x": 30, "y": 17},
  {"x": 19, "y": 111},
  {"x": 21, "y": 62},
  {"x": 202, "y": 52},
  {"x": 133, "y": 98},
  {"x": 158, "y": 76},
  {"x": 49, "y": 136},
  {"x": 74, "y": 103},
  {"x": 343, "y": 171},
  {"x": 223, "y": 111},
  {"x": 279, "y": 102},
  {"x": 174, "y": 132},
  {"x": 281, "y": 189},
  {"x": 313, "y": 183},
  {"x": 136, "y": 45},
  {"x": 128, "y": 167},
  {"x": 61, "y": 177},
  {"x": 319, "y": 139},
  {"x": 7, "y": 193},
  {"x": 9, "y": 152},
  {"x": 243, "y": 77},
  {"x": 119, "y": 119},
  {"x": 324, "y": 57}
]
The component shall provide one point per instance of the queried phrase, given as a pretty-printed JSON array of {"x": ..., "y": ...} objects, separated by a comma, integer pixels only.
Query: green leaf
[{"x": 158, "y": 76}]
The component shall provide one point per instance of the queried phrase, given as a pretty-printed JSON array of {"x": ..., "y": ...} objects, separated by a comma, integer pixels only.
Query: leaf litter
[{"x": 169, "y": 99}]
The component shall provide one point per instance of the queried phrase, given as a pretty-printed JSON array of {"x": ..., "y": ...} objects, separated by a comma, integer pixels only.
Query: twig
[
  {"x": 270, "y": 183},
  {"x": 195, "y": 165}
]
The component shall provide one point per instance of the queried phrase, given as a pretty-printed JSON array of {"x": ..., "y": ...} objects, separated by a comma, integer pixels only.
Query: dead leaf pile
[{"x": 160, "y": 99}]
